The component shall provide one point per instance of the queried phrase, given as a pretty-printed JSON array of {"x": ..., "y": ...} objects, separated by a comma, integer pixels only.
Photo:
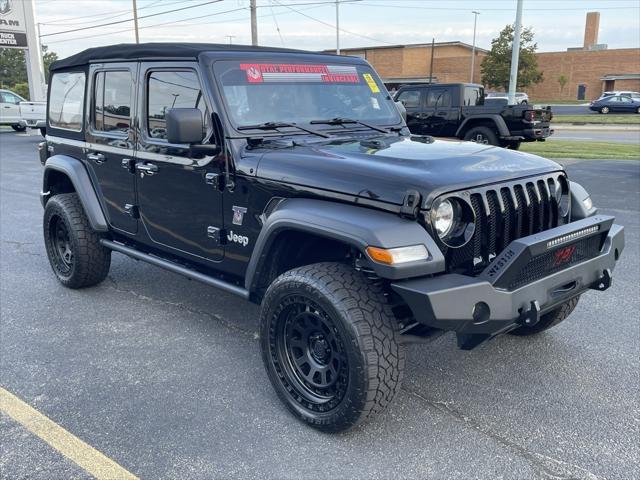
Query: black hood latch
[{"x": 410, "y": 204}]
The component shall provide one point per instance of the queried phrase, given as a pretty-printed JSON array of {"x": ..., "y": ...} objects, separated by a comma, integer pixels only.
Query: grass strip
[{"x": 583, "y": 150}]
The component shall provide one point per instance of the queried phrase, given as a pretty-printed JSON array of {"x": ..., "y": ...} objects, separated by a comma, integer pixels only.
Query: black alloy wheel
[
  {"x": 309, "y": 354},
  {"x": 62, "y": 250}
]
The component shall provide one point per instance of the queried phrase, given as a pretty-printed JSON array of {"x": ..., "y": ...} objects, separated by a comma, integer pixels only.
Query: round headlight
[
  {"x": 453, "y": 219},
  {"x": 444, "y": 218}
]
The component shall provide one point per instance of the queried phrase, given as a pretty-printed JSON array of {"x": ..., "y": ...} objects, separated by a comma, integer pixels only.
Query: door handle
[
  {"x": 146, "y": 168},
  {"x": 96, "y": 157}
]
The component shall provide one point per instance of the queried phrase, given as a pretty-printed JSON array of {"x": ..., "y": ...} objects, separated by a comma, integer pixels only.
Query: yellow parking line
[{"x": 66, "y": 443}]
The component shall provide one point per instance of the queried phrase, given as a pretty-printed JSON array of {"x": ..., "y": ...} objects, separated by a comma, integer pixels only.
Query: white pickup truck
[{"x": 34, "y": 115}]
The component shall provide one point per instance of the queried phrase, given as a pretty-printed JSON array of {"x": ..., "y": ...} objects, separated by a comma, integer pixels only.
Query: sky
[{"x": 310, "y": 24}]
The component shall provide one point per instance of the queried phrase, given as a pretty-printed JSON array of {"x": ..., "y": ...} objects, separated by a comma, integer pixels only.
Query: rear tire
[
  {"x": 483, "y": 135},
  {"x": 548, "y": 320},
  {"x": 19, "y": 128},
  {"x": 330, "y": 345},
  {"x": 73, "y": 248}
]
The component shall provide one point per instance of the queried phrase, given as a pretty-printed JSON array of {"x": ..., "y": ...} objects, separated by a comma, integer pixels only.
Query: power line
[
  {"x": 331, "y": 25},
  {"x": 131, "y": 19},
  {"x": 117, "y": 13}
]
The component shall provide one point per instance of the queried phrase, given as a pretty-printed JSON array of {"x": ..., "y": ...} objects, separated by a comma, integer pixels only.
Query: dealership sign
[{"x": 12, "y": 24}]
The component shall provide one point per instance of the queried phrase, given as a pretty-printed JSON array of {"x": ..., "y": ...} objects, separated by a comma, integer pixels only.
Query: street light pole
[
  {"x": 473, "y": 48},
  {"x": 337, "y": 27},
  {"x": 515, "y": 55},
  {"x": 135, "y": 20},
  {"x": 254, "y": 23}
]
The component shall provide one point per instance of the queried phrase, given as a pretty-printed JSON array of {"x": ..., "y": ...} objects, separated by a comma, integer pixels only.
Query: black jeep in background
[
  {"x": 460, "y": 110},
  {"x": 289, "y": 178}
]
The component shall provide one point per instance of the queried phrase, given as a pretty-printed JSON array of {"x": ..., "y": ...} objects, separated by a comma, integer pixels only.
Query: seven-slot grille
[{"x": 503, "y": 214}]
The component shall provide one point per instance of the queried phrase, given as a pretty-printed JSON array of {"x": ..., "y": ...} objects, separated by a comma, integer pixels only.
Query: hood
[{"x": 386, "y": 167}]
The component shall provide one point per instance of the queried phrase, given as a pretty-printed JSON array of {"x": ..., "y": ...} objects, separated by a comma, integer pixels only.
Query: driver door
[
  {"x": 180, "y": 204},
  {"x": 9, "y": 107}
]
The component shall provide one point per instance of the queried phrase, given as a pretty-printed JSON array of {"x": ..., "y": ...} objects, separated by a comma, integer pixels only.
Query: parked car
[
  {"x": 290, "y": 179},
  {"x": 34, "y": 115},
  {"x": 10, "y": 110},
  {"x": 459, "y": 110},
  {"x": 616, "y": 103},
  {"x": 634, "y": 95},
  {"x": 521, "y": 97}
]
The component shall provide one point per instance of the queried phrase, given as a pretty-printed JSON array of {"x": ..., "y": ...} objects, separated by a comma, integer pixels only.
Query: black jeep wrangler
[
  {"x": 290, "y": 179},
  {"x": 461, "y": 110}
]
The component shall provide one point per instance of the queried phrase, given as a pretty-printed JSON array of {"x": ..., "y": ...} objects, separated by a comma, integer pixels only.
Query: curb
[{"x": 596, "y": 126}]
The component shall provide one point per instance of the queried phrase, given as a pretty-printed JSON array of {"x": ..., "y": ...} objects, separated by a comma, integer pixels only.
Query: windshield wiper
[
  {"x": 276, "y": 125},
  {"x": 342, "y": 121}
]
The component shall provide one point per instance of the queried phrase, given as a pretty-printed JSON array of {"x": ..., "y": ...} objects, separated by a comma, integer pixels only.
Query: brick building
[{"x": 589, "y": 70}]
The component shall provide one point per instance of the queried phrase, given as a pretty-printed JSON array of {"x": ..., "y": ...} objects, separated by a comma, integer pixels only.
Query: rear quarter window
[{"x": 66, "y": 100}]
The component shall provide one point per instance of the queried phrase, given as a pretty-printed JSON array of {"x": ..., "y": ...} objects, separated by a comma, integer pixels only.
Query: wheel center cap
[{"x": 319, "y": 348}]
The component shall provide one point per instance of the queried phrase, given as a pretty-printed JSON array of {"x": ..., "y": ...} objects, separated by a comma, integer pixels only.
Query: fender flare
[
  {"x": 501, "y": 125},
  {"x": 77, "y": 174},
  {"x": 353, "y": 225}
]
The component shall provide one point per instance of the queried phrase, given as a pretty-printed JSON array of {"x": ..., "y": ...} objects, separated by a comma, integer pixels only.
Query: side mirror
[
  {"x": 184, "y": 125},
  {"x": 401, "y": 108}
]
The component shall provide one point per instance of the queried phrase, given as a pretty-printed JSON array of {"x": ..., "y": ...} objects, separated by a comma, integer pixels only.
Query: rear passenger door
[
  {"x": 178, "y": 193},
  {"x": 412, "y": 99},
  {"x": 111, "y": 141}
]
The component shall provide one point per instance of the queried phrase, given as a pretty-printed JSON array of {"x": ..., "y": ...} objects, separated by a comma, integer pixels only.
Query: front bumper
[{"x": 496, "y": 301}]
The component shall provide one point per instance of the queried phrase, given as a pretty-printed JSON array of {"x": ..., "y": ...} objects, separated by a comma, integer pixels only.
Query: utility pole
[
  {"x": 230, "y": 37},
  {"x": 473, "y": 48},
  {"x": 433, "y": 47},
  {"x": 135, "y": 20},
  {"x": 337, "y": 27},
  {"x": 515, "y": 55},
  {"x": 254, "y": 23}
]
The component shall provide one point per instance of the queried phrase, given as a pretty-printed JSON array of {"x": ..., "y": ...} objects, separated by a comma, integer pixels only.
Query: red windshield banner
[{"x": 287, "y": 72}]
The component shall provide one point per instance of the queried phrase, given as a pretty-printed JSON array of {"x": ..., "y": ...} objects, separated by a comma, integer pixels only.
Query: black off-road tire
[
  {"x": 360, "y": 332},
  {"x": 482, "y": 134},
  {"x": 548, "y": 320},
  {"x": 19, "y": 128},
  {"x": 73, "y": 247}
]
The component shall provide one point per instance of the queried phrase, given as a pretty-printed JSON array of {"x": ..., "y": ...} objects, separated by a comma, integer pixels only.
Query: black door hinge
[
  {"x": 215, "y": 179},
  {"x": 218, "y": 235},
  {"x": 131, "y": 210},
  {"x": 410, "y": 204}
]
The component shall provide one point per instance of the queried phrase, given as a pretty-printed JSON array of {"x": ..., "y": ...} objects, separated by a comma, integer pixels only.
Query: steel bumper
[{"x": 478, "y": 308}]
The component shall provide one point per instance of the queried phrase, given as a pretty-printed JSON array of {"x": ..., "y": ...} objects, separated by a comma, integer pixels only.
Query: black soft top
[{"x": 158, "y": 51}]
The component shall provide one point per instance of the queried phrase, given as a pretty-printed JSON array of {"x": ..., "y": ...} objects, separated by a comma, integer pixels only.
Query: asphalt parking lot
[{"x": 164, "y": 376}]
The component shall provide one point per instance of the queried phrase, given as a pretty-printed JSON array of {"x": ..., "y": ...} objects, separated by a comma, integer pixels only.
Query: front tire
[
  {"x": 19, "y": 128},
  {"x": 73, "y": 248},
  {"x": 548, "y": 320},
  {"x": 604, "y": 110},
  {"x": 330, "y": 345},
  {"x": 483, "y": 135}
]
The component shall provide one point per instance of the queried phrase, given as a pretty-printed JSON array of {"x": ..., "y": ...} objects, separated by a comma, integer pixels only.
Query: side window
[
  {"x": 410, "y": 98},
  {"x": 8, "y": 97},
  {"x": 66, "y": 100},
  {"x": 625, "y": 99},
  {"x": 473, "y": 96},
  {"x": 167, "y": 90},
  {"x": 441, "y": 97},
  {"x": 112, "y": 101}
]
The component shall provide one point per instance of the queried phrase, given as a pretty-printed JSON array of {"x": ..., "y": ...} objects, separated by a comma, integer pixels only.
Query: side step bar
[{"x": 173, "y": 267}]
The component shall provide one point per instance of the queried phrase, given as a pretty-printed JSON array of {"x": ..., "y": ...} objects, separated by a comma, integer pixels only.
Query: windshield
[{"x": 257, "y": 93}]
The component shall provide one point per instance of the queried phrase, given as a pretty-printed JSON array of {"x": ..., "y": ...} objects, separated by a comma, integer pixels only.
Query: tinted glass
[
  {"x": 66, "y": 100},
  {"x": 112, "y": 101},
  {"x": 8, "y": 97},
  {"x": 439, "y": 97},
  {"x": 256, "y": 93},
  {"x": 473, "y": 96},
  {"x": 167, "y": 90},
  {"x": 410, "y": 98}
]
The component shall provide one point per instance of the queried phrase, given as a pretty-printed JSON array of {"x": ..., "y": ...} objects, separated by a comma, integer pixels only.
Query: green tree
[
  {"x": 13, "y": 69},
  {"x": 562, "y": 80},
  {"x": 497, "y": 64}
]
